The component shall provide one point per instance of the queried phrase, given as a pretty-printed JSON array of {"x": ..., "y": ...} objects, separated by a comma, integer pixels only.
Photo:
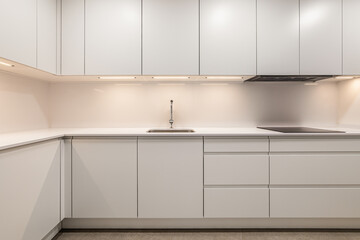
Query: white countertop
[{"x": 10, "y": 140}]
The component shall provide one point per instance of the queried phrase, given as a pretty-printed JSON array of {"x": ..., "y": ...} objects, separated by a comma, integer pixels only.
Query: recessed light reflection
[
  {"x": 345, "y": 77},
  {"x": 7, "y": 64}
]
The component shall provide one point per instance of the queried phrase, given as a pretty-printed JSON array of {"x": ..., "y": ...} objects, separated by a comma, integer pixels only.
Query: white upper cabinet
[
  {"x": 278, "y": 37},
  {"x": 113, "y": 37},
  {"x": 46, "y": 35},
  {"x": 320, "y": 37},
  {"x": 228, "y": 37},
  {"x": 72, "y": 42},
  {"x": 351, "y": 37},
  {"x": 18, "y": 31},
  {"x": 170, "y": 37}
]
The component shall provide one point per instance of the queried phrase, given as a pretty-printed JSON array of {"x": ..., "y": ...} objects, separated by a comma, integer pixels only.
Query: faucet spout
[{"x": 171, "y": 121}]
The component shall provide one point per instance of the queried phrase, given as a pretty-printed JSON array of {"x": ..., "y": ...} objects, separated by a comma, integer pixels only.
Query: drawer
[
  {"x": 315, "y": 203},
  {"x": 236, "y": 203},
  {"x": 236, "y": 145},
  {"x": 314, "y": 144},
  {"x": 314, "y": 169},
  {"x": 236, "y": 169}
]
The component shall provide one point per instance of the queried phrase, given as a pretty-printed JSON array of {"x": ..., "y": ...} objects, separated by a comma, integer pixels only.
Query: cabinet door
[
  {"x": 46, "y": 36},
  {"x": 104, "y": 178},
  {"x": 278, "y": 37},
  {"x": 18, "y": 31},
  {"x": 72, "y": 33},
  {"x": 170, "y": 178},
  {"x": 315, "y": 202},
  {"x": 30, "y": 191},
  {"x": 320, "y": 37},
  {"x": 236, "y": 202},
  {"x": 351, "y": 37},
  {"x": 228, "y": 37},
  {"x": 113, "y": 37},
  {"x": 170, "y": 37}
]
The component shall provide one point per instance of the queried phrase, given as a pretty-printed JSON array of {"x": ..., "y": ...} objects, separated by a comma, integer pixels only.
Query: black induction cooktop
[{"x": 299, "y": 130}]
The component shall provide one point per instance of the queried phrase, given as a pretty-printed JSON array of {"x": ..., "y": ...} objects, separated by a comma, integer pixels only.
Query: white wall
[
  {"x": 23, "y": 103},
  {"x": 349, "y": 103},
  {"x": 196, "y": 105}
]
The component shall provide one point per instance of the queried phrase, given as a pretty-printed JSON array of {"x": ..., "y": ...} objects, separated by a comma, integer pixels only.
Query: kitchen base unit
[{"x": 177, "y": 181}]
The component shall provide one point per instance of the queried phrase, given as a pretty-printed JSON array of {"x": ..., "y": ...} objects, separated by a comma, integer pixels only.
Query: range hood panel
[{"x": 288, "y": 78}]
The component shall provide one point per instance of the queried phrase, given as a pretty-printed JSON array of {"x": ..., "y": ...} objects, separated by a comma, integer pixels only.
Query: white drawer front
[
  {"x": 314, "y": 169},
  {"x": 236, "y": 203},
  {"x": 236, "y": 145},
  {"x": 314, "y": 145},
  {"x": 236, "y": 169},
  {"x": 315, "y": 203}
]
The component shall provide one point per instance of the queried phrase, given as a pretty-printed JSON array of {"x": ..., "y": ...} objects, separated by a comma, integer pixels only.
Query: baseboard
[
  {"x": 73, "y": 223},
  {"x": 53, "y": 232}
]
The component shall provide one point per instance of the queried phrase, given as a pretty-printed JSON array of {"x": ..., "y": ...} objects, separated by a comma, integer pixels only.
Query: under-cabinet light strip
[{"x": 116, "y": 78}]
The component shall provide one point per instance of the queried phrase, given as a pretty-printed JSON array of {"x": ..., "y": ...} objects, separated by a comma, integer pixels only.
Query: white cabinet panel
[
  {"x": 228, "y": 37},
  {"x": 18, "y": 31},
  {"x": 236, "y": 145},
  {"x": 104, "y": 178},
  {"x": 351, "y": 37},
  {"x": 315, "y": 203},
  {"x": 314, "y": 144},
  {"x": 315, "y": 169},
  {"x": 170, "y": 177},
  {"x": 236, "y": 203},
  {"x": 72, "y": 42},
  {"x": 278, "y": 37},
  {"x": 236, "y": 169},
  {"x": 29, "y": 191},
  {"x": 113, "y": 37},
  {"x": 66, "y": 187},
  {"x": 46, "y": 35},
  {"x": 320, "y": 37},
  {"x": 170, "y": 37}
]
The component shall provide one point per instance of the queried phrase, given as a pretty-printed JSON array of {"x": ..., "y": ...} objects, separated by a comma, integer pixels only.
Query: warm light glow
[
  {"x": 344, "y": 77},
  {"x": 170, "y": 77},
  {"x": 311, "y": 84},
  {"x": 171, "y": 84},
  {"x": 7, "y": 64},
  {"x": 116, "y": 78},
  {"x": 214, "y": 84},
  {"x": 224, "y": 77},
  {"x": 128, "y": 84}
]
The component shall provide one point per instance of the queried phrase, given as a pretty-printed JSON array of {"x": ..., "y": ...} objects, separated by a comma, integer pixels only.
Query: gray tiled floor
[{"x": 209, "y": 236}]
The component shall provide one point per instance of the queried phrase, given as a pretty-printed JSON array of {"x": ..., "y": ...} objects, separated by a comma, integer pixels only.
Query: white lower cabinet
[
  {"x": 170, "y": 177},
  {"x": 236, "y": 203},
  {"x": 315, "y": 202},
  {"x": 104, "y": 178},
  {"x": 314, "y": 178},
  {"x": 29, "y": 191},
  {"x": 311, "y": 169}
]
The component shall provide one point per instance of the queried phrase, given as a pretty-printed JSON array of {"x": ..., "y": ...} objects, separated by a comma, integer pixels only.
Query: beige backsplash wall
[
  {"x": 195, "y": 104},
  {"x": 24, "y": 103},
  {"x": 349, "y": 103}
]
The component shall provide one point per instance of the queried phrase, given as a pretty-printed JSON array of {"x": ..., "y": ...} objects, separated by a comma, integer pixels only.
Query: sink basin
[{"x": 171, "y": 130}]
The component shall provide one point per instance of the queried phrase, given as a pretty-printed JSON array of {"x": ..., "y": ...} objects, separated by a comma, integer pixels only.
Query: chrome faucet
[{"x": 171, "y": 121}]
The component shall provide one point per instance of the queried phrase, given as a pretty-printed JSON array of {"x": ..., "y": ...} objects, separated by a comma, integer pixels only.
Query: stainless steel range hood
[{"x": 288, "y": 78}]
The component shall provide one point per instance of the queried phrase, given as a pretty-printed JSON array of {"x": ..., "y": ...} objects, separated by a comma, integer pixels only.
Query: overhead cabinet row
[
  {"x": 183, "y": 37},
  {"x": 210, "y": 37},
  {"x": 28, "y": 33}
]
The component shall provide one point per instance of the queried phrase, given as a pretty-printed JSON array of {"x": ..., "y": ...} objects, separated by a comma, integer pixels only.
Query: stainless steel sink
[{"x": 171, "y": 130}]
